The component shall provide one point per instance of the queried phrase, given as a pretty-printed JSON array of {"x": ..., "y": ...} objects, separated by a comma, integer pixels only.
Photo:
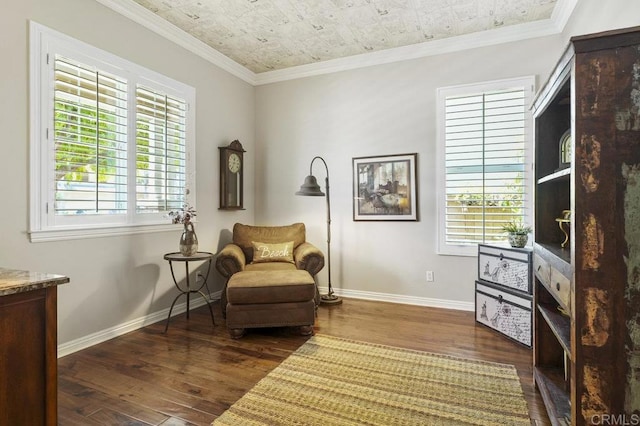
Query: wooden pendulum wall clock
[{"x": 231, "y": 176}]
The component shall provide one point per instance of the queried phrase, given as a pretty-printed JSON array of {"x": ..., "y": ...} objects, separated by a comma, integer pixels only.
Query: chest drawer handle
[
  {"x": 539, "y": 266},
  {"x": 558, "y": 286},
  {"x": 500, "y": 298},
  {"x": 501, "y": 256}
]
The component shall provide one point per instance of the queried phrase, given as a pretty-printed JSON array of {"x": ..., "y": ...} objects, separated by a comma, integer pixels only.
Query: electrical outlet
[{"x": 429, "y": 276}]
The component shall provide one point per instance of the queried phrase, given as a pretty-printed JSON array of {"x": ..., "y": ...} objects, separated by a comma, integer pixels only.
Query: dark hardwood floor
[{"x": 194, "y": 372}]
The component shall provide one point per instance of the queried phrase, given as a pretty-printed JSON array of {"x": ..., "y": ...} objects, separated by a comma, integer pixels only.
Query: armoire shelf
[
  {"x": 562, "y": 174},
  {"x": 560, "y": 326},
  {"x": 550, "y": 383}
]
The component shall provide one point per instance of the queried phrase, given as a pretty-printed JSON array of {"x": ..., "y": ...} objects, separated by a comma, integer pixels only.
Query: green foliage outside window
[{"x": 84, "y": 144}]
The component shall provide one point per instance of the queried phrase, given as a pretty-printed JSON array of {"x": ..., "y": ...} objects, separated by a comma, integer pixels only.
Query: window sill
[{"x": 97, "y": 232}]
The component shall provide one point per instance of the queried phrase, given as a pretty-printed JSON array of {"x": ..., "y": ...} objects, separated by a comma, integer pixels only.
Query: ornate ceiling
[{"x": 268, "y": 35}]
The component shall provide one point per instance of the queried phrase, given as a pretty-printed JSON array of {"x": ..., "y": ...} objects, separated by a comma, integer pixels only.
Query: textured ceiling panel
[{"x": 267, "y": 35}]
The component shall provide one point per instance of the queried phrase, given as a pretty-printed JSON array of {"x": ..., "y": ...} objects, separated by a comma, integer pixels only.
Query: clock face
[{"x": 234, "y": 163}]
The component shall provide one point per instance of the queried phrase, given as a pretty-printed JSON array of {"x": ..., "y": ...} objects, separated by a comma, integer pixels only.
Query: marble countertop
[{"x": 15, "y": 281}]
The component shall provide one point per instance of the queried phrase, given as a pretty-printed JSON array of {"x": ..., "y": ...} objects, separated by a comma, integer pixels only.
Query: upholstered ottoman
[{"x": 278, "y": 298}]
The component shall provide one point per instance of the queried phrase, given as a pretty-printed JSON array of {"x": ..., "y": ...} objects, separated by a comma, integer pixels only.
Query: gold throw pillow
[{"x": 272, "y": 252}]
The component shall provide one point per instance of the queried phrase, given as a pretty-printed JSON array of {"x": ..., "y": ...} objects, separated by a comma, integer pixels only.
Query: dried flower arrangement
[{"x": 184, "y": 215}]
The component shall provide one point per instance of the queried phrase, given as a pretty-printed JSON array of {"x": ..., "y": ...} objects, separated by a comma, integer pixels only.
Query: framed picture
[{"x": 385, "y": 188}]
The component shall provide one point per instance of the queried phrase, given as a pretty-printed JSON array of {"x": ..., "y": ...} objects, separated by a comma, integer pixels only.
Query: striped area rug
[{"x": 333, "y": 381}]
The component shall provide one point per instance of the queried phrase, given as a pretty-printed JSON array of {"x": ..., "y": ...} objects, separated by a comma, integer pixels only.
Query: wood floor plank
[
  {"x": 191, "y": 375},
  {"x": 195, "y": 371},
  {"x": 108, "y": 416},
  {"x": 148, "y": 395},
  {"x": 90, "y": 401},
  {"x": 176, "y": 422}
]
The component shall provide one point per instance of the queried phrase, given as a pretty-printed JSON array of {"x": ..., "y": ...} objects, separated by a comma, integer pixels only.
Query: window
[
  {"x": 111, "y": 142},
  {"x": 160, "y": 151},
  {"x": 89, "y": 140},
  {"x": 484, "y": 152}
]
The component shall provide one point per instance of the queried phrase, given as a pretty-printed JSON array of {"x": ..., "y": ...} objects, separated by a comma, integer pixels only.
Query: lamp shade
[{"x": 310, "y": 187}]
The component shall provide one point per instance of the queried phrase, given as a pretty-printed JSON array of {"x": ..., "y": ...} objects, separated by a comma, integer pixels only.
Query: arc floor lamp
[{"x": 311, "y": 188}]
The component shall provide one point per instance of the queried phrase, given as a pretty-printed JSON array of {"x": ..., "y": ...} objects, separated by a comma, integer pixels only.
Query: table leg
[
  {"x": 208, "y": 304},
  {"x": 166, "y": 327},
  {"x": 206, "y": 297},
  {"x": 206, "y": 278},
  {"x": 186, "y": 264}
]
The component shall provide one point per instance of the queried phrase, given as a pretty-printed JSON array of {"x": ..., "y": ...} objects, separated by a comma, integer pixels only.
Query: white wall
[
  {"x": 114, "y": 280},
  {"x": 387, "y": 109},
  {"x": 592, "y": 16}
]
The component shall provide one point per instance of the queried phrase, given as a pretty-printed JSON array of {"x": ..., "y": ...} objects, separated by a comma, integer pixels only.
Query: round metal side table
[{"x": 198, "y": 257}]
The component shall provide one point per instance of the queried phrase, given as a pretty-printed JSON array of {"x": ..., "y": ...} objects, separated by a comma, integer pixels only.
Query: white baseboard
[
  {"x": 407, "y": 300},
  {"x": 120, "y": 329}
]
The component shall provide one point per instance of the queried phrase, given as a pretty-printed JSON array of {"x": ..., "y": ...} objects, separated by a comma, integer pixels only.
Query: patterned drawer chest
[{"x": 504, "y": 291}]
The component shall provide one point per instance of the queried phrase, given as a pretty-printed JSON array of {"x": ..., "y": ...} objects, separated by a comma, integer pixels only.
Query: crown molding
[
  {"x": 414, "y": 51},
  {"x": 164, "y": 28},
  {"x": 511, "y": 33},
  {"x": 554, "y": 25}
]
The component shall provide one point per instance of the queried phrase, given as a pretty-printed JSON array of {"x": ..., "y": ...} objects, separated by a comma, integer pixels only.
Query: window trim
[
  {"x": 44, "y": 43},
  {"x": 528, "y": 84}
]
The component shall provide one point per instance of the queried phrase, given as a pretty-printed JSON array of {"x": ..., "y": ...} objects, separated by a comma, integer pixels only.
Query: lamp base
[{"x": 330, "y": 299}]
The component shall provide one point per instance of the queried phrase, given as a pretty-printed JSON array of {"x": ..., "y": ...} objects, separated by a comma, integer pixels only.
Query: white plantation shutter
[
  {"x": 90, "y": 118},
  {"x": 486, "y": 157},
  {"x": 160, "y": 151},
  {"x": 111, "y": 142}
]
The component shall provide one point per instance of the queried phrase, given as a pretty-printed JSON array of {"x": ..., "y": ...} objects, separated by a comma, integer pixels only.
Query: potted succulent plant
[{"x": 517, "y": 233}]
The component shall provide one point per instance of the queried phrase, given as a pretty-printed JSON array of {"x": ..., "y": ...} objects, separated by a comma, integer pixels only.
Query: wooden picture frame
[{"x": 385, "y": 188}]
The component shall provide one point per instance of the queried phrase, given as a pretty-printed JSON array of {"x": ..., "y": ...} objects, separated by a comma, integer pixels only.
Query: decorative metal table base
[{"x": 178, "y": 257}]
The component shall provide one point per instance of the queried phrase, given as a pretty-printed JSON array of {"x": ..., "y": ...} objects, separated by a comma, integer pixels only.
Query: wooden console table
[{"x": 29, "y": 353}]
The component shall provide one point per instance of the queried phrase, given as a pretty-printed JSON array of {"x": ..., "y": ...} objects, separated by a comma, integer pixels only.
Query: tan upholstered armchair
[
  {"x": 238, "y": 255},
  {"x": 265, "y": 286}
]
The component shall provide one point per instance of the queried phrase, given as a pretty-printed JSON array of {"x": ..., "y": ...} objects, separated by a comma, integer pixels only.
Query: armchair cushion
[{"x": 260, "y": 287}]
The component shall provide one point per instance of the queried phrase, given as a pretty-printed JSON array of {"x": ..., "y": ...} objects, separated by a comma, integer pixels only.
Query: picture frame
[{"x": 385, "y": 188}]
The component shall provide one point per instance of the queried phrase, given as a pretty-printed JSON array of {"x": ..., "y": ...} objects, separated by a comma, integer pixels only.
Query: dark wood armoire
[{"x": 587, "y": 184}]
